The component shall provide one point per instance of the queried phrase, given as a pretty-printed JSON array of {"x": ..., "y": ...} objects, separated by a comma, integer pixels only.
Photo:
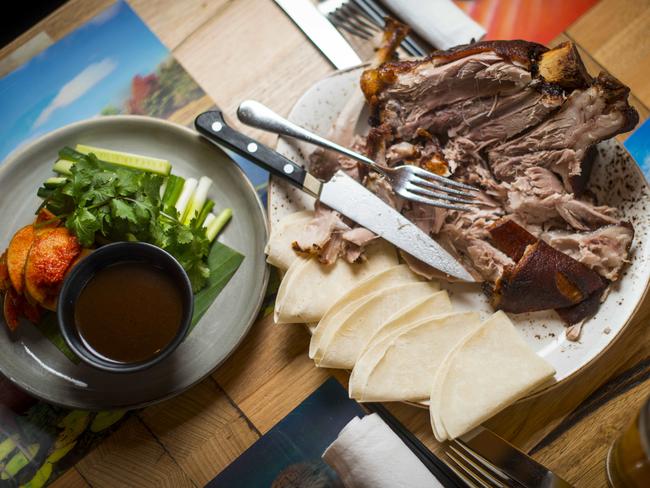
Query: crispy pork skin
[
  {"x": 561, "y": 282},
  {"x": 544, "y": 278},
  {"x": 562, "y": 65},
  {"x": 511, "y": 238},
  {"x": 578, "y": 313}
]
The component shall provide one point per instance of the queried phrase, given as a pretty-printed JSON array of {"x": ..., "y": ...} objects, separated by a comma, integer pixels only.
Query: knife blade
[
  {"x": 350, "y": 198},
  {"x": 340, "y": 193},
  {"x": 321, "y": 32}
]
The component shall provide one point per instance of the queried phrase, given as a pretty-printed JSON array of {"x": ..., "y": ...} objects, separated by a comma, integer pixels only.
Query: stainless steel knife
[
  {"x": 321, "y": 32},
  {"x": 340, "y": 193}
]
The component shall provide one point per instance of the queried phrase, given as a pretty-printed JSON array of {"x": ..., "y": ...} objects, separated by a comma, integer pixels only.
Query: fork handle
[{"x": 255, "y": 114}]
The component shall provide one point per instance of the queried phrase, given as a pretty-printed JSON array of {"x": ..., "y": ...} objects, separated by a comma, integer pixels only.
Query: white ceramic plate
[
  {"x": 616, "y": 181},
  {"x": 34, "y": 364}
]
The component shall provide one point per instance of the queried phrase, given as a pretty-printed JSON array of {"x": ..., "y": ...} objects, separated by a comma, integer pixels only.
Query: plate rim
[
  {"x": 12, "y": 160},
  {"x": 552, "y": 386}
]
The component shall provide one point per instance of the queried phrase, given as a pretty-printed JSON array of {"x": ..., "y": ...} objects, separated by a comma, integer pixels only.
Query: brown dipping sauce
[{"x": 129, "y": 312}]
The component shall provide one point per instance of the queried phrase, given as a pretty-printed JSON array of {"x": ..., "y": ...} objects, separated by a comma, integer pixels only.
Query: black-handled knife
[
  {"x": 213, "y": 126},
  {"x": 341, "y": 193}
]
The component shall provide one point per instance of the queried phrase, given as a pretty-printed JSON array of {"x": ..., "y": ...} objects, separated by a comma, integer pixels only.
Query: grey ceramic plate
[{"x": 35, "y": 365}]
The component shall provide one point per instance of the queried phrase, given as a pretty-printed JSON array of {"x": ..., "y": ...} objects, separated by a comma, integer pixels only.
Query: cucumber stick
[
  {"x": 129, "y": 160},
  {"x": 203, "y": 214},
  {"x": 62, "y": 167},
  {"x": 55, "y": 182},
  {"x": 197, "y": 200}
]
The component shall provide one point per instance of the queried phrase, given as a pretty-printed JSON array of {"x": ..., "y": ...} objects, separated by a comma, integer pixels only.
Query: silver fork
[
  {"x": 483, "y": 459},
  {"x": 407, "y": 181},
  {"x": 363, "y": 18},
  {"x": 349, "y": 17},
  {"x": 463, "y": 464}
]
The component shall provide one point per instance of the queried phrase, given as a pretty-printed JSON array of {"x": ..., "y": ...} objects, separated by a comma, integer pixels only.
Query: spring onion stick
[
  {"x": 173, "y": 192},
  {"x": 203, "y": 214},
  {"x": 184, "y": 199},
  {"x": 197, "y": 200}
]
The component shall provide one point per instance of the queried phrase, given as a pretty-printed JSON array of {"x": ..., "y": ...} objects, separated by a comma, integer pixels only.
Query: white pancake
[
  {"x": 402, "y": 366},
  {"x": 352, "y": 335},
  {"x": 491, "y": 369},
  {"x": 279, "y": 250},
  {"x": 309, "y": 289},
  {"x": 340, "y": 310}
]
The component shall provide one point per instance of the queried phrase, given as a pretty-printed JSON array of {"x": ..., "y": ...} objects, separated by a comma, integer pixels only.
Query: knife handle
[{"x": 213, "y": 127}]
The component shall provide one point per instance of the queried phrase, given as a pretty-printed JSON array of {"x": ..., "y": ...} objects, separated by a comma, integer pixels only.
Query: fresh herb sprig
[{"x": 100, "y": 203}]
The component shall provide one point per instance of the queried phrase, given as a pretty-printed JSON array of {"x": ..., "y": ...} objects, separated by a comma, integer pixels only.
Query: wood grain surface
[{"x": 239, "y": 49}]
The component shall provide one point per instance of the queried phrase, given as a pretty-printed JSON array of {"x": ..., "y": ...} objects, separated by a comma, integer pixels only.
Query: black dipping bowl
[{"x": 110, "y": 254}]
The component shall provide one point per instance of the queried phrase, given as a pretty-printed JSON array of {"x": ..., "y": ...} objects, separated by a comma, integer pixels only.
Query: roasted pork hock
[{"x": 520, "y": 122}]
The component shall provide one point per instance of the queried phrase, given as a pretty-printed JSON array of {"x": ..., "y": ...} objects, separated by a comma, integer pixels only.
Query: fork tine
[
  {"x": 361, "y": 16},
  {"x": 459, "y": 470},
  {"x": 476, "y": 466},
  {"x": 460, "y": 446},
  {"x": 424, "y": 192},
  {"x": 351, "y": 23},
  {"x": 423, "y": 173},
  {"x": 343, "y": 25},
  {"x": 419, "y": 181},
  {"x": 468, "y": 472},
  {"x": 409, "y": 195}
]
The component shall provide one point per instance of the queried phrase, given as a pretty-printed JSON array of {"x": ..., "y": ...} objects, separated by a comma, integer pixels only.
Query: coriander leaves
[{"x": 101, "y": 203}]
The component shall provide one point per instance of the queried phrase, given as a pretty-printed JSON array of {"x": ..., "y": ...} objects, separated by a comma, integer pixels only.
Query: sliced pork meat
[
  {"x": 323, "y": 164},
  {"x": 406, "y": 92},
  {"x": 560, "y": 143},
  {"x": 467, "y": 235},
  {"x": 492, "y": 118},
  {"x": 464, "y": 158},
  {"x": 319, "y": 231},
  {"x": 538, "y": 197},
  {"x": 329, "y": 236},
  {"x": 605, "y": 250}
]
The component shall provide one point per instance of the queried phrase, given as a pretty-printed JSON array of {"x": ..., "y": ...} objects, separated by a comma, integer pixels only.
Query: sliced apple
[
  {"x": 49, "y": 258},
  {"x": 5, "y": 282},
  {"x": 83, "y": 254},
  {"x": 11, "y": 310},
  {"x": 17, "y": 256},
  {"x": 45, "y": 219}
]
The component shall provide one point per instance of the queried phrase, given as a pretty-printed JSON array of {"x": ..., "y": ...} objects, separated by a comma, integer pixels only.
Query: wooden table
[{"x": 240, "y": 49}]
